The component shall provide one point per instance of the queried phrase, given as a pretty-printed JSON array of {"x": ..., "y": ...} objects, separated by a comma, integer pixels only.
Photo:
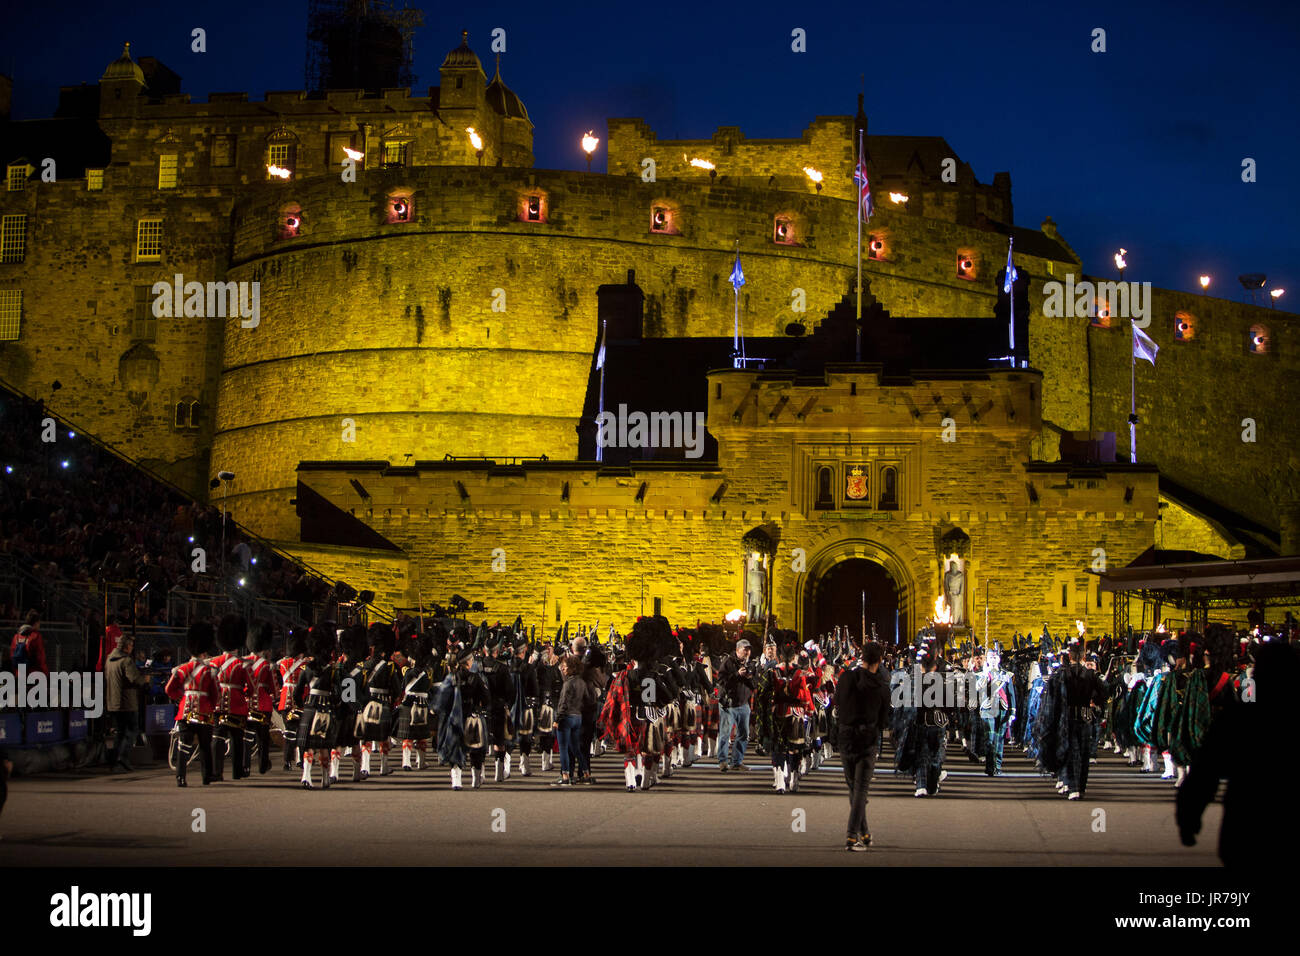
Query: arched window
[
  {"x": 889, "y": 489},
  {"x": 825, "y": 497}
]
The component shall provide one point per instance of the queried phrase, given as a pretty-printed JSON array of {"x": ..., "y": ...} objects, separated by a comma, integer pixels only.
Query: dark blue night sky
[{"x": 1139, "y": 147}]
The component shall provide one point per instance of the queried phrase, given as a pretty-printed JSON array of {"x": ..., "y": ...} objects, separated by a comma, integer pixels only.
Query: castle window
[
  {"x": 400, "y": 208},
  {"x": 876, "y": 247},
  {"x": 290, "y": 221},
  {"x": 94, "y": 180},
  {"x": 1184, "y": 326},
  {"x": 533, "y": 207},
  {"x": 889, "y": 489},
  {"x": 144, "y": 325},
  {"x": 13, "y": 238},
  {"x": 168, "y": 167},
  {"x": 1258, "y": 342},
  {"x": 460, "y": 84},
  {"x": 187, "y": 414},
  {"x": 1065, "y": 595},
  {"x": 223, "y": 151},
  {"x": 783, "y": 231},
  {"x": 663, "y": 219},
  {"x": 17, "y": 177},
  {"x": 148, "y": 240},
  {"x": 825, "y": 497},
  {"x": 11, "y": 314},
  {"x": 967, "y": 265},
  {"x": 394, "y": 154},
  {"x": 281, "y": 156}
]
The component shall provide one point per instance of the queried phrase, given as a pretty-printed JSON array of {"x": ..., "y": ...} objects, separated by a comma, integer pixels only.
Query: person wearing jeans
[
  {"x": 736, "y": 681},
  {"x": 568, "y": 721},
  {"x": 862, "y": 706}
]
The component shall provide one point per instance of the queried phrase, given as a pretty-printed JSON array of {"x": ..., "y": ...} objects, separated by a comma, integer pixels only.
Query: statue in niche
[
  {"x": 954, "y": 591},
  {"x": 755, "y": 582}
]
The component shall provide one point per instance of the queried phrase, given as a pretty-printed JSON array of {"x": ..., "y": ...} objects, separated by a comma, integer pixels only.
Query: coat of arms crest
[{"x": 857, "y": 484}]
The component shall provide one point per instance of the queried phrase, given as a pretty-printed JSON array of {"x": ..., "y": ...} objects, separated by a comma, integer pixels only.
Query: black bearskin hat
[
  {"x": 416, "y": 646},
  {"x": 322, "y": 642},
  {"x": 381, "y": 638},
  {"x": 232, "y": 630},
  {"x": 406, "y": 626},
  {"x": 353, "y": 642},
  {"x": 200, "y": 639},
  {"x": 596, "y": 657},
  {"x": 690, "y": 642},
  {"x": 438, "y": 635},
  {"x": 260, "y": 640},
  {"x": 650, "y": 635}
]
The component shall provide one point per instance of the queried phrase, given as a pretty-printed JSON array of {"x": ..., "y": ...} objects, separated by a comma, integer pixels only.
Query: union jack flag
[{"x": 865, "y": 206}]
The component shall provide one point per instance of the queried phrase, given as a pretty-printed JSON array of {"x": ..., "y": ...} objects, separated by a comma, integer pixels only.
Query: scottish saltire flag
[
  {"x": 1012, "y": 274},
  {"x": 737, "y": 275},
  {"x": 865, "y": 207},
  {"x": 600, "y": 353},
  {"x": 1143, "y": 347}
]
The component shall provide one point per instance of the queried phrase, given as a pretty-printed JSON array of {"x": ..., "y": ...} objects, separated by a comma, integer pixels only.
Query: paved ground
[{"x": 699, "y": 816}]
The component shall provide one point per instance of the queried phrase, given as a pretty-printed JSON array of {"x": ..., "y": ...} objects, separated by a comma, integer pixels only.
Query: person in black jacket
[
  {"x": 736, "y": 683},
  {"x": 862, "y": 710}
]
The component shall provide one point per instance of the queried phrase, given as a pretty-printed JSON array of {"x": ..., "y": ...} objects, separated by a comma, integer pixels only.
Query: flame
[
  {"x": 1080, "y": 625},
  {"x": 942, "y": 613},
  {"x": 1277, "y": 293},
  {"x": 814, "y": 174},
  {"x": 353, "y": 154},
  {"x": 475, "y": 139},
  {"x": 1160, "y": 628},
  {"x": 1120, "y": 261},
  {"x": 898, "y": 197},
  {"x": 590, "y": 142},
  {"x": 701, "y": 163},
  {"x": 734, "y": 616},
  {"x": 279, "y": 171},
  {"x": 1205, "y": 282}
]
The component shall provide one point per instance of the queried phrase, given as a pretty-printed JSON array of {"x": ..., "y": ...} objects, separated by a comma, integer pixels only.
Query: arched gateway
[{"x": 830, "y": 591}]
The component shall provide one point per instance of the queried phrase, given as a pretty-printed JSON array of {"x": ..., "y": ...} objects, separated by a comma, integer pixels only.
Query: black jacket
[
  {"x": 736, "y": 690},
  {"x": 861, "y": 709}
]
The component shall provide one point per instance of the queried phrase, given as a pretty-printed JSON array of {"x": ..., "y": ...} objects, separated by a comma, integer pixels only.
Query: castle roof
[
  {"x": 124, "y": 68},
  {"x": 504, "y": 100},
  {"x": 462, "y": 57}
]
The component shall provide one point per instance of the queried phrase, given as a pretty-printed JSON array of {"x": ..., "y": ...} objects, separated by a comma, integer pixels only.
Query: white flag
[{"x": 1143, "y": 347}]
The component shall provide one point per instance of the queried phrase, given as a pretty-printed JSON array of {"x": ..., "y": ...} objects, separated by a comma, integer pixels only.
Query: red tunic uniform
[
  {"x": 233, "y": 683},
  {"x": 193, "y": 685},
  {"x": 262, "y": 677},
  {"x": 290, "y": 669}
]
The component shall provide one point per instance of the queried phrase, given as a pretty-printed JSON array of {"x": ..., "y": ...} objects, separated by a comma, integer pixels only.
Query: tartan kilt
[
  {"x": 324, "y": 738},
  {"x": 712, "y": 717},
  {"x": 407, "y": 729},
  {"x": 500, "y": 727},
  {"x": 375, "y": 731}
]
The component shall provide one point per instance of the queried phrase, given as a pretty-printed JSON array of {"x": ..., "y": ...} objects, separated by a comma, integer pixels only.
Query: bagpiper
[
  {"x": 550, "y": 681},
  {"x": 193, "y": 685},
  {"x": 631, "y": 717},
  {"x": 234, "y": 688},
  {"x": 461, "y": 702},
  {"x": 375, "y": 723},
  {"x": 263, "y": 677},
  {"x": 318, "y": 694},
  {"x": 351, "y": 667},
  {"x": 782, "y": 703},
  {"x": 523, "y": 710},
  {"x": 494, "y": 653},
  {"x": 414, "y": 722}
]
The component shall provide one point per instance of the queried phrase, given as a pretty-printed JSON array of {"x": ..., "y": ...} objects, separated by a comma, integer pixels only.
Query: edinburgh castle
[{"x": 411, "y": 408}]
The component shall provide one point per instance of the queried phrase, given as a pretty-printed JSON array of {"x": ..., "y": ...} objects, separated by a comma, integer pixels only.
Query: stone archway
[{"x": 896, "y": 561}]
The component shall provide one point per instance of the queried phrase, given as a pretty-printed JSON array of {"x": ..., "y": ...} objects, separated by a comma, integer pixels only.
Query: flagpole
[
  {"x": 1012, "y": 297},
  {"x": 600, "y": 456},
  {"x": 857, "y": 348},
  {"x": 735, "y": 338},
  {"x": 1132, "y": 392}
]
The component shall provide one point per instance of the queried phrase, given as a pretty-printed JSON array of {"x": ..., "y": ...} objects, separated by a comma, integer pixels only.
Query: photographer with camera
[{"x": 736, "y": 686}]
